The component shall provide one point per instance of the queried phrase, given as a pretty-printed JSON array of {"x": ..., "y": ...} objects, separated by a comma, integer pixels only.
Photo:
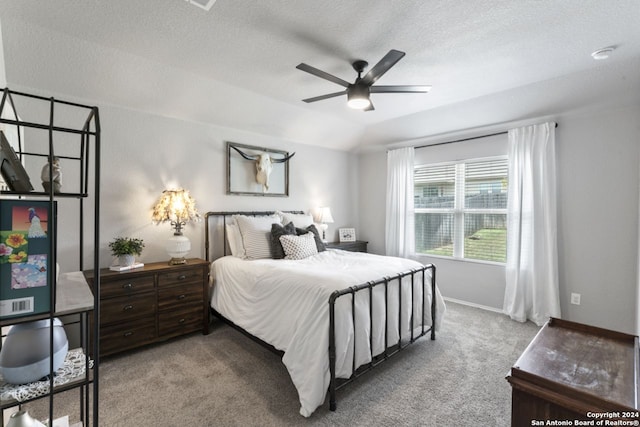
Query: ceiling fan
[{"x": 358, "y": 92}]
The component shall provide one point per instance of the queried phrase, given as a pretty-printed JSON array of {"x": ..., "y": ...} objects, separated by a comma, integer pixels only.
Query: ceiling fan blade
[
  {"x": 400, "y": 89},
  {"x": 322, "y": 74},
  {"x": 370, "y": 107},
  {"x": 321, "y": 97},
  {"x": 388, "y": 61}
]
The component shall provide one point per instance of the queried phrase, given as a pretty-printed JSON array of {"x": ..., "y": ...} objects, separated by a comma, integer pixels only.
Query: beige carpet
[{"x": 225, "y": 379}]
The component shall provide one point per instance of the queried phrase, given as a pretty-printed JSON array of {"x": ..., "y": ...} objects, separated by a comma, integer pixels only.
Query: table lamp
[
  {"x": 177, "y": 207},
  {"x": 324, "y": 217}
]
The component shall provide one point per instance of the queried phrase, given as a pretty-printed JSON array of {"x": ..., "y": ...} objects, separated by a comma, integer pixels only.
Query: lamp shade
[
  {"x": 325, "y": 216},
  {"x": 177, "y": 207}
]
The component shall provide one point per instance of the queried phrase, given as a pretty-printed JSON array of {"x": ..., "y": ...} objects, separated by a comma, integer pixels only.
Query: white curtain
[
  {"x": 532, "y": 255},
  {"x": 399, "y": 230}
]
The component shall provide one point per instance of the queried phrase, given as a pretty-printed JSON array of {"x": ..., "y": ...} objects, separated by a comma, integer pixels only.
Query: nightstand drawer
[
  {"x": 177, "y": 296},
  {"x": 126, "y": 286},
  {"x": 180, "y": 322},
  {"x": 180, "y": 276},
  {"x": 128, "y": 307},
  {"x": 127, "y": 335}
]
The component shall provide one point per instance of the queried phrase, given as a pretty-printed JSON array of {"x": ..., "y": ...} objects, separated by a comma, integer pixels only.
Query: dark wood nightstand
[
  {"x": 152, "y": 303},
  {"x": 357, "y": 246}
]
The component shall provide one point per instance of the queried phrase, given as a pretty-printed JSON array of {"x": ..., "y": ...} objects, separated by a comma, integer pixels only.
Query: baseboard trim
[{"x": 472, "y": 304}]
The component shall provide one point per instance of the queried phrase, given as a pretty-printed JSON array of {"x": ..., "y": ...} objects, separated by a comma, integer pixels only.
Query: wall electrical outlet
[{"x": 575, "y": 299}]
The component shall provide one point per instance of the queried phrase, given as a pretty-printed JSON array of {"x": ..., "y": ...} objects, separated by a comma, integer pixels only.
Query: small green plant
[{"x": 126, "y": 246}]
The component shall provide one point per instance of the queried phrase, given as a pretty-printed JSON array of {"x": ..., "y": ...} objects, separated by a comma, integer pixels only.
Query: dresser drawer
[
  {"x": 180, "y": 276},
  {"x": 176, "y": 296},
  {"x": 127, "y": 335},
  {"x": 127, "y": 307},
  {"x": 179, "y": 322},
  {"x": 126, "y": 286}
]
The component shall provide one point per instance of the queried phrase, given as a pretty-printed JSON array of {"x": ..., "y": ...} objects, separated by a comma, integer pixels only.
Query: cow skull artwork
[{"x": 264, "y": 165}]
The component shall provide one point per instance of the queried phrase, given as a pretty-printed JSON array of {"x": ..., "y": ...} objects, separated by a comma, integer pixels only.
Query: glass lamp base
[{"x": 178, "y": 246}]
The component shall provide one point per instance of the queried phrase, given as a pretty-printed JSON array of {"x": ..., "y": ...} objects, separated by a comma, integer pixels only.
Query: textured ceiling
[{"x": 494, "y": 61}]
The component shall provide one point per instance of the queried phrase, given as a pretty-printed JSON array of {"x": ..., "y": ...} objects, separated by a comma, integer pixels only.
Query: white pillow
[
  {"x": 235, "y": 240},
  {"x": 299, "y": 220},
  {"x": 298, "y": 247},
  {"x": 256, "y": 234}
]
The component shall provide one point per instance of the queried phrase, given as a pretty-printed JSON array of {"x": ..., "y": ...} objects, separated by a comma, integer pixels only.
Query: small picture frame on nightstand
[{"x": 347, "y": 234}]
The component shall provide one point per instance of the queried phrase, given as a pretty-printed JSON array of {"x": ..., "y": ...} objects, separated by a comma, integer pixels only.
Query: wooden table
[{"x": 572, "y": 371}]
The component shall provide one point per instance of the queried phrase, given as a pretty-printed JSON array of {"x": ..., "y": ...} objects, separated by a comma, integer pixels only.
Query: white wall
[
  {"x": 598, "y": 190},
  {"x": 598, "y": 216}
]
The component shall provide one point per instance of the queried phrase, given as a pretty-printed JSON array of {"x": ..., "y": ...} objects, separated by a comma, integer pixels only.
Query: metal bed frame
[{"x": 391, "y": 348}]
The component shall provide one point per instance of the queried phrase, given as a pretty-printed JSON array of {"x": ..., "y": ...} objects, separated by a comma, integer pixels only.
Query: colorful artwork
[
  {"x": 31, "y": 219},
  {"x": 13, "y": 247},
  {"x": 29, "y": 274},
  {"x": 24, "y": 256}
]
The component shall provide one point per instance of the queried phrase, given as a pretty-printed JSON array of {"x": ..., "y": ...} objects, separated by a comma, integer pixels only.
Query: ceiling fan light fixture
[{"x": 358, "y": 97}]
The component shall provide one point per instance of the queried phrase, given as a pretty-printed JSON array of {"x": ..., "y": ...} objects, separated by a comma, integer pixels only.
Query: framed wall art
[
  {"x": 347, "y": 234},
  {"x": 257, "y": 171}
]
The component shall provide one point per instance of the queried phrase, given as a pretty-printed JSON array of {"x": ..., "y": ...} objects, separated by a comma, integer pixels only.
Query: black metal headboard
[{"x": 225, "y": 215}]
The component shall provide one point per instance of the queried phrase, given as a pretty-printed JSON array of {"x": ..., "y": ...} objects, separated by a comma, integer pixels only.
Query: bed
[{"x": 332, "y": 315}]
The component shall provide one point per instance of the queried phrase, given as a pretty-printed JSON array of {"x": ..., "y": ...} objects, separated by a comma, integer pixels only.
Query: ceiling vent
[{"x": 203, "y": 4}]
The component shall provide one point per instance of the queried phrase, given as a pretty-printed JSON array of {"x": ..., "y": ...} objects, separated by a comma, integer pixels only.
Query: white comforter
[{"x": 285, "y": 303}]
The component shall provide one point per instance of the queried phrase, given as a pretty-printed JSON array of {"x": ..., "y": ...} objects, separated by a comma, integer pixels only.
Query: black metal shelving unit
[{"x": 71, "y": 132}]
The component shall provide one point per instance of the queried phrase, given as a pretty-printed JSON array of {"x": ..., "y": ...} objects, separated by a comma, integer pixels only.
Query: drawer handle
[
  {"x": 127, "y": 307},
  {"x": 127, "y": 334},
  {"x": 181, "y": 320},
  {"x": 182, "y": 277},
  {"x": 127, "y": 286},
  {"x": 183, "y": 296}
]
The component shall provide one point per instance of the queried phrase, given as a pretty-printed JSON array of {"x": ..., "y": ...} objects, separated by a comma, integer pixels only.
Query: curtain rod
[{"x": 464, "y": 139}]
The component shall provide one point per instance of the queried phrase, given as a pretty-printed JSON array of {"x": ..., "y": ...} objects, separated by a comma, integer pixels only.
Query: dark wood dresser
[
  {"x": 357, "y": 246},
  {"x": 572, "y": 371},
  {"x": 151, "y": 304}
]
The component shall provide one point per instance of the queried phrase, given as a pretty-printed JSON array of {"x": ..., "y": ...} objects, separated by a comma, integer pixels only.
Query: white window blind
[{"x": 461, "y": 209}]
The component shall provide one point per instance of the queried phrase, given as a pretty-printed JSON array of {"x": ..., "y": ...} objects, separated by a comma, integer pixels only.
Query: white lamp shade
[{"x": 325, "y": 216}]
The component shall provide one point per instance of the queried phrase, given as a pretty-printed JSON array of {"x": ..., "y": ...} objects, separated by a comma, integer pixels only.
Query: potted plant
[{"x": 125, "y": 248}]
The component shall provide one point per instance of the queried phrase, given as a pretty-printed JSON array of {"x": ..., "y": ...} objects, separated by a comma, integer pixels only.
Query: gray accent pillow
[
  {"x": 277, "y": 230},
  {"x": 316, "y": 235}
]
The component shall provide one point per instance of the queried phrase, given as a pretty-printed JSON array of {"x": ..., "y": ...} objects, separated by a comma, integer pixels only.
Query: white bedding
[{"x": 285, "y": 303}]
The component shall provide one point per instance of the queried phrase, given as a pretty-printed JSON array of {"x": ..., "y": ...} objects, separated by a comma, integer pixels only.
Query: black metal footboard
[{"x": 390, "y": 349}]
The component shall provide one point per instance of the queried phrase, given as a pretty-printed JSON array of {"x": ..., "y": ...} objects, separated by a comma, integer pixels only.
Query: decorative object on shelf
[
  {"x": 126, "y": 248},
  {"x": 25, "y": 258},
  {"x": 52, "y": 175},
  {"x": 23, "y": 419},
  {"x": 347, "y": 234},
  {"x": 323, "y": 217},
  {"x": 263, "y": 176},
  {"x": 25, "y": 355},
  {"x": 177, "y": 207},
  {"x": 126, "y": 267},
  {"x": 13, "y": 173}
]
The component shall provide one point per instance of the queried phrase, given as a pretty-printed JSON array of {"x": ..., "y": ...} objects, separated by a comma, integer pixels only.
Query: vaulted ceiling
[{"x": 489, "y": 61}]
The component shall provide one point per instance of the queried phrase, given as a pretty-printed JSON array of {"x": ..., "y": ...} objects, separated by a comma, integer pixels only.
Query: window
[{"x": 461, "y": 209}]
